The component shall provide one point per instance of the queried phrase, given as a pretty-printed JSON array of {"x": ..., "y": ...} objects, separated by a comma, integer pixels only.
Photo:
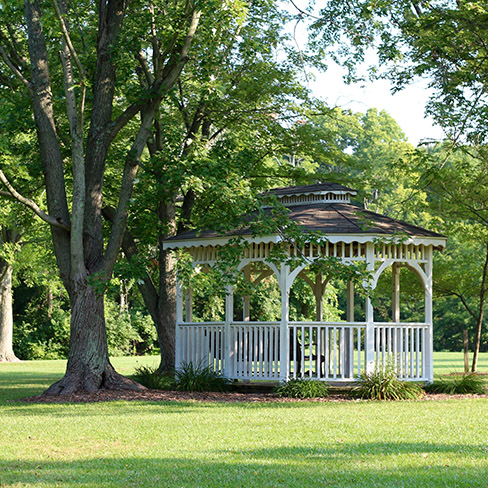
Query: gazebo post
[
  {"x": 369, "y": 342},
  {"x": 395, "y": 299},
  {"x": 229, "y": 317},
  {"x": 429, "y": 339},
  {"x": 189, "y": 305},
  {"x": 350, "y": 301},
  {"x": 285, "y": 317},
  {"x": 348, "y": 335},
  {"x": 179, "y": 319},
  {"x": 246, "y": 299}
]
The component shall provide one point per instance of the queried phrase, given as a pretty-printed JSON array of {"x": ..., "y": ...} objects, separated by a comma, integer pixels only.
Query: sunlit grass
[{"x": 190, "y": 444}]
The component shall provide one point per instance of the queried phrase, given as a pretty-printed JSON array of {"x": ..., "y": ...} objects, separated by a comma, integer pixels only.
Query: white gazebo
[{"x": 328, "y": 351}]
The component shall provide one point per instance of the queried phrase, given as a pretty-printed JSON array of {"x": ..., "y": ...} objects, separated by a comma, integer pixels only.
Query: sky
[{"x": 407, "y": 107}]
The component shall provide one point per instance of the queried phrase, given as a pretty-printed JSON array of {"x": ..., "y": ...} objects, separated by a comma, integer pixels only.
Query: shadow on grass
[
  {"x": 364, "y": 466},
  {"x": 17, "y": 385}
]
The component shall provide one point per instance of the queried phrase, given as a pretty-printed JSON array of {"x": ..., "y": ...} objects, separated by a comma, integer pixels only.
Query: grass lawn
[{"x": 188, "y": 444}]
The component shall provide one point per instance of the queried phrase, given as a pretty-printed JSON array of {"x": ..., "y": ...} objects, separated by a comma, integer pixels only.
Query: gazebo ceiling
[{"x": 332, "y": 215}]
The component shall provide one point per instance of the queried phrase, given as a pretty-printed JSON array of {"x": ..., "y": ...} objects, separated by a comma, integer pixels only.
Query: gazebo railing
[
  {"x": 255, "y": 350},
  {"x": 202, "y": 344},
  {"x": 403, "y": 344},
  {"x": 325, "y": 351},
  {"x": 331, "y": 351}
]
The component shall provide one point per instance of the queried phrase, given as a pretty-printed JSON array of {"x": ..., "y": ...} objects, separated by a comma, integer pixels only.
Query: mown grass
[{"x": 190, "y": 444}]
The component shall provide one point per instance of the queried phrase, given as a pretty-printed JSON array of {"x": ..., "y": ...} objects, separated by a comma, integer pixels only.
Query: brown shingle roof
[{"x": 331, "y": 218}]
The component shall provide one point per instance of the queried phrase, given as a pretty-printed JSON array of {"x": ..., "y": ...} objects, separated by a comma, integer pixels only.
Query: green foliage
[
  {"x": 128, "y": 332},
  {"x": 192, "y": 377},
  {"x": 154, "y": 380},
  {"x": 467, "y": 384},
  {"x": 382, "y": 384},
  {"x": 303, "y": 388},
  {"x": 42, "y": 322},
  {"x": 42, "y": 337}
]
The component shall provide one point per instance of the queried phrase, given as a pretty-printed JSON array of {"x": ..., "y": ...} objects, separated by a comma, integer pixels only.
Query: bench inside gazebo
[{"x": 332, "y": 351}]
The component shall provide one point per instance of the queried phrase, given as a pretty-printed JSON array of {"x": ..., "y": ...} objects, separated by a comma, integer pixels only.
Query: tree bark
[
  {"x": 166, "y": 312},
  {"x": 6, "y": 317},
  {"x": 466, "y": 350},
  {"x": 89, "y": 367}
]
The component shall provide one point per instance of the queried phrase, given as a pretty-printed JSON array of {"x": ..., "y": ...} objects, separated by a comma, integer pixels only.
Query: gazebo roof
[{"x": 329, "y": 216}]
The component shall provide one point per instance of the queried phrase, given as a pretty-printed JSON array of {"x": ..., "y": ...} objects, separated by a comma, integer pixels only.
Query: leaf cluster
[
  {"x": 467, "y": 384},
  {"x": 303, "y": 388},
  {"x": 382, "y": 384}
]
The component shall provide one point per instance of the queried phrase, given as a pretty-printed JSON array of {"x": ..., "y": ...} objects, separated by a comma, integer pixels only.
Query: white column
[
  {"x": 228, "y": 354},
  {"x": 395, "y": 297},
  {"x": 428, "y": 354},
  {"x": 246, "y": 300},
  {"x": 285, "y": 316},
  {"x": 179, "y": 318},
  {"x": 189, "y": 305},
  {"x": 350, "y": 301},
  {"x": 369, "y": 343},
  {"x": 349, "y": 337}
]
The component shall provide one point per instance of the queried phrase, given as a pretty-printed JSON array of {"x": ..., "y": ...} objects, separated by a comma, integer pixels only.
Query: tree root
[
  {"x": 9, "y": 358},
  {"x": 82, "y": 380}
]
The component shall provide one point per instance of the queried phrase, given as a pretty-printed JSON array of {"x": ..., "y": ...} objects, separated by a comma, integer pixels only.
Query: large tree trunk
[
  {"x": 6, "y": 316},
  {"x": 166, "y": 312},
  {"x": 89, "y": 367}
]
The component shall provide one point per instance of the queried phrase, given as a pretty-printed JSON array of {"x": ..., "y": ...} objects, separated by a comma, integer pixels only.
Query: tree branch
[
  {"x": 14, "y": 69},
  {"x": 77, "y": 155},
  {"x": 67, "y": 38},
  {"x": 32, "y": 205},
  {"x": 130, "y": 171}
]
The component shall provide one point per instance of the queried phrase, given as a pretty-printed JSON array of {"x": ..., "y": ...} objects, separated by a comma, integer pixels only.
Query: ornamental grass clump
[
  {"x": 469, "y": 384},
  {"x": 303, "y": 389},
  {"x": 154, "y": 380},
  {"x": 200, "y": 378},
  {"x": 382, "y": 384}
]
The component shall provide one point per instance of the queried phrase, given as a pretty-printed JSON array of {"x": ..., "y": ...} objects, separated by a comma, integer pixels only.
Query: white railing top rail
[
  {"x": 401, "y": 324},
  {"x": 199, "y": 323},
  {"x": 251, "y": 323},
  {"x": 327, "y": 324},
  {"x": 310, "y": 324}
]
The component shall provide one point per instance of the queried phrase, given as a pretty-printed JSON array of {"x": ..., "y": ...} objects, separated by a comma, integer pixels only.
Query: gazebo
[{"x": 335, "y": 352}]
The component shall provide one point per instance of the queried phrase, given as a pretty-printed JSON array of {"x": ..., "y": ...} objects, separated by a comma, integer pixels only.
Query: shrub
[
  {"x": 469, "y": 383},
  {"x": 382, "y": 384},
  {"x": 303, "y": 389},
  {"x": 200, "y": 378},
  {"x": 151, "y": 378}
]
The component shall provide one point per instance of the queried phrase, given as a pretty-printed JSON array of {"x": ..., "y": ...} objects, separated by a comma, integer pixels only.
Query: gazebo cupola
[
  {"x": 312, "y": 194},
  {"x": 242, "y": 347}
]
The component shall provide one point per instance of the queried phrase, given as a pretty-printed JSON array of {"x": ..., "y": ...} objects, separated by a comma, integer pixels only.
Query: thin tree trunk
[
  {"x": 89, "y": 367},
  {"x": 479, "y": 321},
  {"x": 466, "y": 350},
  {"x": 6, "y": 317}
]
